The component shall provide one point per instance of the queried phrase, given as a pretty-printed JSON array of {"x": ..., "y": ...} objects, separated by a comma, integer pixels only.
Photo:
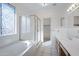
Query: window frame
[{"x": 14, "y": 30}]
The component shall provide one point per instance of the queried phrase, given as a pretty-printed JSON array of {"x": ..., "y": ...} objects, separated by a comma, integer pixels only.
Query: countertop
[{"x": 72, "y": 46}]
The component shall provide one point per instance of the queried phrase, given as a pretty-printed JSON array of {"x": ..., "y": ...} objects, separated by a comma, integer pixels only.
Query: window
[
  {"x": 25, "y": 24},
  {"x": 7, "y": 21},
  {"x": 0, "y": 19},
  {"x": 28, "y": 24}
]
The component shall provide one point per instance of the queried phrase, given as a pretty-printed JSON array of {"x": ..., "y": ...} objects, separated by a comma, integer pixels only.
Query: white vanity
[{"x": 67, "y": 46}]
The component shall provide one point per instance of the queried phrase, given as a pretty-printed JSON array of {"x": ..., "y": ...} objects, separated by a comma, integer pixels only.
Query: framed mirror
[{"x": 76, "y": 20}]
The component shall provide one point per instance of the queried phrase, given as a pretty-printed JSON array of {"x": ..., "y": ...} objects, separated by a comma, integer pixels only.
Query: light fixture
[
  {"x": 44, "y": 4},
  {"x": 73, "y": 7}
]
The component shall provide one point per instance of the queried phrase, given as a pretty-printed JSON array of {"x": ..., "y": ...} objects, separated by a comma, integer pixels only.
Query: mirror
[{"x": 76, "y": 20}]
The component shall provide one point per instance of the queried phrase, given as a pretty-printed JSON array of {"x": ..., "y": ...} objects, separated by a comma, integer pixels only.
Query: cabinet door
[{"x": 57, "y": 47}]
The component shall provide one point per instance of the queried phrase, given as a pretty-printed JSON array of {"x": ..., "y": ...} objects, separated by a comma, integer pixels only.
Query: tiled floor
[{"x": 46, "y": 50}]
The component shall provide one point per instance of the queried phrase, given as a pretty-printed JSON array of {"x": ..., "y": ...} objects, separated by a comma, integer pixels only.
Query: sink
[
  {"x": 70, "y": 38},
  {"x": 77, "y": 37},
  {"x": 73, "y": 37}
]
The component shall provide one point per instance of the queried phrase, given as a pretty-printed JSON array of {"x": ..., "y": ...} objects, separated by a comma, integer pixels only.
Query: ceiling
[{"x": 34, "y": 7}]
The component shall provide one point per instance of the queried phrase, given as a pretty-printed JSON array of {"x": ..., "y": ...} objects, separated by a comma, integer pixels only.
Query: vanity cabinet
[{"x": 60, "y": 49}]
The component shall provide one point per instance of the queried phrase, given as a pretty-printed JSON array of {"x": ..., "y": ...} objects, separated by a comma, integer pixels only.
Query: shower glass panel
[{"x": 30, "y": 28}]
